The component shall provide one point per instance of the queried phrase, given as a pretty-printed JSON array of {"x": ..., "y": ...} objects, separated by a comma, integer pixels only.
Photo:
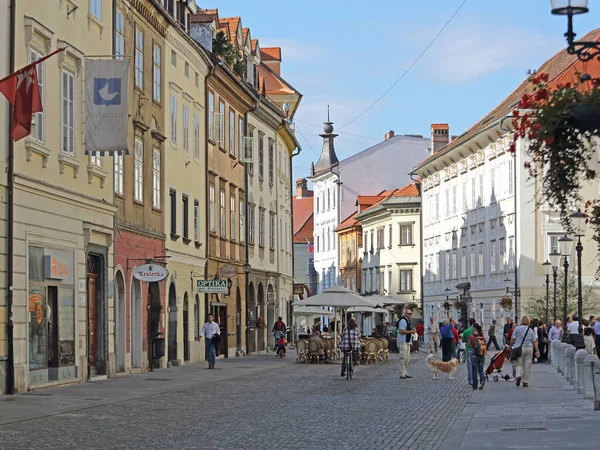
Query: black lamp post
[
  {"x": 515, "y": 293},
  {"x": 547, "y": 271},
  {"x": 585, "y": 51},
  {"x": 566, "y": 245},
  {"x": 579, "y": 224},
  {"x": 555, "y": 262}
]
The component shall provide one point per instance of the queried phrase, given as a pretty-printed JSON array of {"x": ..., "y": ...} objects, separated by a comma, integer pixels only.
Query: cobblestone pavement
[{"x": 281, "y": 406}]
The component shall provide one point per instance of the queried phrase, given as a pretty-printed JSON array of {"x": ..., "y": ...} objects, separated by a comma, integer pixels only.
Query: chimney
[
  {"x": 389, "y": 135},
  {"x": 439, "y": 136},
  {"x": 301, "y": 187}
]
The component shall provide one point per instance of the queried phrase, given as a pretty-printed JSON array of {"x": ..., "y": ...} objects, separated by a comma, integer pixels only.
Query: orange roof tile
[
  {"x": 410, "y": 190},
  {"x": 254, "y": 42},
  {"x": 205, "y": 15},
  {"x": 270, "y": 53},
  {"x": 302, "y": 212},
  {"x": 232, "y": 23},
  {"x": 440, "y": 126},
  {"x": 555, "y": 67},
  {"x": 245, "y": 32},
  {"x": 349, "y": 222}
]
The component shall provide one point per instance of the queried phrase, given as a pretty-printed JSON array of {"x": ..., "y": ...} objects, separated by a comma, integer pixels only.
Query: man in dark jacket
[
  {"x": 278, "y": 328},
  {"x": 492, "y": 336},
  {"x": 507, "y": 328}
]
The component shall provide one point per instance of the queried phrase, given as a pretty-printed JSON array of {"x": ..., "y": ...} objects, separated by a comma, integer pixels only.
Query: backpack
[{"x": 479, "y": 349}]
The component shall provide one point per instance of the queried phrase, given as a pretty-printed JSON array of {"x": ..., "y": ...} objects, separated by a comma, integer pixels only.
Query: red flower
[{"x": 590, "y": 174}]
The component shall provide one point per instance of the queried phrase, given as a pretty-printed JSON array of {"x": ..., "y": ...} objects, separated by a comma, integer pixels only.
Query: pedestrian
[
  {"x": 597, "y": 331},
  {"x": 589, "y": 337},
  {"x": 573, "y": 325},
  {"x": 350, "y": 343},
  {"x": 507, "y": 327},
  {"x": 433, "y": 333},
  {"x": 278, "y": 328},
  {"x": 468, "y": 350},
  {"x": 405, "y": 332},
  {"x": 479, "y": 350},
  {"x": 525, "y": 339},
  {"x": 543, "y": 341},
  {"x": 492, "y": 336},
  {"x": 513, "y": 326},
  {"x": 447, "y": 340},
  {"x": 455, "y": 338},
  {"x": 420, "y": 332},
  {"x": 535, "y": 326},
  {"x": 211, "y": 331}
]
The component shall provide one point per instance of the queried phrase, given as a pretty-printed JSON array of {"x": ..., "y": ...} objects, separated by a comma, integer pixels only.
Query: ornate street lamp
[
  {"x": 579, "y": 221},
  {"x": 555, "y": 262},
  {"x": 585, "y": 51},
  {"x": 565, "y": 244},
  {"x": 547, "y": 271}
]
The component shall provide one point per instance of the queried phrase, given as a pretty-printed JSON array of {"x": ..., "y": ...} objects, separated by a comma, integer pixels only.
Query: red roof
[
  {"x": 348, "y": 223},
  {"x": 270, "y": 53},
  {"x": 303, "y": 218},
  {"x": 205, "y": 15},
  {"x": 410, "y": 190},
  {"x": 245, "y": 32},
  {"x": 232, "y": 23},
  {"x": 440, "y": 126},
  {"x": 254, "y": 42},
  {"x": 560, "y": 68}
]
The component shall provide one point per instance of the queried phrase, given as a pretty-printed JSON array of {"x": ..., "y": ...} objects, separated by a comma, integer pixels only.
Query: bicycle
[{"x": 348, "y": 355}]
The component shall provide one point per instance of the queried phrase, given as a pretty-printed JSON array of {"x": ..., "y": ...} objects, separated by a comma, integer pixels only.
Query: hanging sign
[
  {"x": 227, "y": 271},
  {"x": 150, "y": 273},
  {"x": 212, "y": 286}
]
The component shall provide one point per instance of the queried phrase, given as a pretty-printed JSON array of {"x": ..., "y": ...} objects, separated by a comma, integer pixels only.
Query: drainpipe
[
  {"x": 421, "y": 246},
  {"x": 10, "y": 369},
  {"x": 211, "y": 72}
]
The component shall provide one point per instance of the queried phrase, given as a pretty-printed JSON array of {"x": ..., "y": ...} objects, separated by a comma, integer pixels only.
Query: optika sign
[{"x": 150, "y": 273}]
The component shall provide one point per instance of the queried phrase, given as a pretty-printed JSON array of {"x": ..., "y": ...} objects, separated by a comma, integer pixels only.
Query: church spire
[{"x": 328, "y": 157}]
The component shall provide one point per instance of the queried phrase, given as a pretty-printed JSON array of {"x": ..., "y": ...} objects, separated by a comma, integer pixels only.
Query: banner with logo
[{"x": 106, "y": 106}]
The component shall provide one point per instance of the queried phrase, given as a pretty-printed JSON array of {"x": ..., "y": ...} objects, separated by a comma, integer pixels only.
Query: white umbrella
[
  {"x": 366, "y": 309},
  {"x": 310, "y": 311},
  {"x": 338, "y": 297}
]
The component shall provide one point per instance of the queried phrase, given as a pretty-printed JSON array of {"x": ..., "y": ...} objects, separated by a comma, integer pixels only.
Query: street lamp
[
  {"x": 555, "y": 262},
  {"x": 579, "y": 220},
  {"x": 547, "y": 271},
  {"x": 565, "y": 244},
  {"x": 585, "y": 51}
]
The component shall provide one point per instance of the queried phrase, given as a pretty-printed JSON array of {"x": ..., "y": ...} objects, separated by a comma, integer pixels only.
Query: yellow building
[
  {"x": 186, "y": 69},
  {"x": 63, "y": 205}
]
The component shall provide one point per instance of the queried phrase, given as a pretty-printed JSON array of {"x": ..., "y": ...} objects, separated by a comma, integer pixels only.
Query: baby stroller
[{"x": 495, "y": 368}]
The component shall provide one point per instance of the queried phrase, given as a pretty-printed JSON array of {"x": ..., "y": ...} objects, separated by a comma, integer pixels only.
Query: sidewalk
[
  {"x": 548, "y": 414},
  {"x": 57, "y": 400}
]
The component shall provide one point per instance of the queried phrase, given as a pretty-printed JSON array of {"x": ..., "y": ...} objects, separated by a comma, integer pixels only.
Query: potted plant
[
  {"x": 506, "y": 303},
  {"x": 260, "y": 323},
  {"x": 447, "y": 306},
  {"x": 460, "y": 304}
]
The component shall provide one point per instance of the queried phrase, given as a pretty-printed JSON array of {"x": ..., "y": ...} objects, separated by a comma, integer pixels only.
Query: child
[
  {"x": 461, "y": 354},
  {"x": 281, "y": 344}
]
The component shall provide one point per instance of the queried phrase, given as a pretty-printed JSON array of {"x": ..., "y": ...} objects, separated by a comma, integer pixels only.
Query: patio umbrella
[
  {"x": 337, "y": 297},
  {"x": 310, "y": 311}
]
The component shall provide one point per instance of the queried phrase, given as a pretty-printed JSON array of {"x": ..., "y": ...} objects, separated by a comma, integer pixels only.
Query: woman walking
[
  {"x": 525, "y": 339},
  {"x": 350, "y": 342}
]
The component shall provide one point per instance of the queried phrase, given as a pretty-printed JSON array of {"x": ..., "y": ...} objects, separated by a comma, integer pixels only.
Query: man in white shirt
[{"x": 209, "y": 330}]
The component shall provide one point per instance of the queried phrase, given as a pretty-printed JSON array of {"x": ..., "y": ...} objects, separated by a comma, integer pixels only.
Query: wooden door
[{"x": 91, "y": 306}]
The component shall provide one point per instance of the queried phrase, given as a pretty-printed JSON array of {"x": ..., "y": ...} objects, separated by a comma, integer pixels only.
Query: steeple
[{"x": 328, "y": 157}]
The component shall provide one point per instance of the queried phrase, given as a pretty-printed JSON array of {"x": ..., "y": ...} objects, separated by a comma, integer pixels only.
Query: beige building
[
  {"x": 63, "y": 205},
  {"x": 186, "y": 69}
]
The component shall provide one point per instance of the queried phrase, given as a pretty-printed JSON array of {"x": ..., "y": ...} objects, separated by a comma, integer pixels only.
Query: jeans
[
  {"x": 447, "y": 344},
  {"x": 477, "y": 363},
  {"x": 469, "y": 363},
  {"x": 404, "y": 350},
  {"x": 354, "y": 358},
  {"x": 211, "y": 352}
]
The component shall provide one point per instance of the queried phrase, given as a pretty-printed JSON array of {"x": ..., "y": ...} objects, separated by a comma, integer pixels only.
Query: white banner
[{"x": 106, "y": 106}]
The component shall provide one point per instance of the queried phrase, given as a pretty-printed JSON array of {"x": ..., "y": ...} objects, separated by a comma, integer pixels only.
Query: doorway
[
  {"x": 136, "y": 324},
  {"x": 238, "y": 319},
  {"x": 172, "y": 324},
  {"x": 260, "y": 313},
  {"x": 52, "y": 324},
  {"x": 95, "y": 318},
  {"x": 250, "y": 321},
  {"x": 120, "y": 322},
  {"x": 186, "y": 329},
  {"x": 271, "y": 313},
  {"x": 220, "y": 315},
  {"x": 155, "y": 308}
]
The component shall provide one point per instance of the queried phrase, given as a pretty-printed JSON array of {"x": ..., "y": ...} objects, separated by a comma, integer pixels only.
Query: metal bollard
[
  {"x": 596, "y": 384},
  {"x": 588, "y": 375},
  {"x": 580, "y": 356}
]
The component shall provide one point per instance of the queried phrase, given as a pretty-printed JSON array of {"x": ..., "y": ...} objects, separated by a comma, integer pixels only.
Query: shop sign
[
  {"x": 221, "y": 304},
  {"x": 298, "y": 289},
  {"x": 58, "y": 265},
  {"x": 212, "y": 286},
  {"x": 228, "y": 271},
  {"x": 150, "y": 273}
]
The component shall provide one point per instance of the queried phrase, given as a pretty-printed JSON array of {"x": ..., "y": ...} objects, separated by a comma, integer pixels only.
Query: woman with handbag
[{"x": 526, "y": 346}]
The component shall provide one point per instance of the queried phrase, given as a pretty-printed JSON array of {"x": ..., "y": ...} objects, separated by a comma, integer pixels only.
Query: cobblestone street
[{"x": 256, "y": 402}]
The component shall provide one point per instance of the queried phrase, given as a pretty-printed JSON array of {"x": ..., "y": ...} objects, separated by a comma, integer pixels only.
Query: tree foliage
[{"x": 224, "y": 48}]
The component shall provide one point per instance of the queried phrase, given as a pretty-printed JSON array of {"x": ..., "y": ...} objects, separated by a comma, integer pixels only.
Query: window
[
  {"x": 173, "y": 58},
  {"x": 271, "y": 163},
  {"x": 406, "y": 235},
  {"x": 138, "y": 171},
  {"x": 186, "y": 70},
  {"x": 454, "y": 200},
  {"x": 480, "y": 259},
  {"x": 493, "y": 184},
  {"x": 454, "y": 264},
  {"x": 211, "y": 116},
  {"x": 251, "y": 213},
  {"x": 232, "y": 218},
  {"x": 318, "y": 241},
  {"x": 492, "y": 256},
  {"x": 261, "y": 155},
  {"x": 511, "y": 176},
  {"x": 197, "y": 79},
  {"x": 502, "y": 251},
  {"x": 251, "y": 144},
  {"x": 68, "y": 115},
  {"x": 241, "y": 138},
  {"x": 389, "y": 285},
  {"x": 437, "y": 206},
  {"x": 242, "y": 221},
  {"x": 261, "y": 228},
  {"x": 196, "y": 221},
  {"x": 221, "y": 125},
  {"x": 38, "y": 121},
  {"x": 447, "y": 202},
  {"x": 96, "y": 9},
  {"x": 196, "y": 135},
  {"x": 447, "y": 258},
  {"x": 464, "y": 196},
  {"x": 380, "y": 239},
  {"x": 223, "y": 224},
  {"x": 511, "y": 253},
  {"x": 173, "y": 119},
  {"x": 120, "y": 35},
  {"x": 211, "y": 209},
  {"x": 119, "y": 173},
  {"x": 139, "y": 58},
  {"x": 186, "y": 128},
  {"x": 328, "y": 199},
  {"x": 173, "y": 206},
  {"x": 372, "y": 241},
  {"x": 328, "y": 240},
  {"x": 156, "y": 82},
  {"x": 390, "y": 233},
  {"x": 481, "y": 200},
  {"x": 185, "y": 217},
  {"x": 272, "y": 231},
  {"x": 473, "y": 194},
  {"x": 463, "y": 262},
  {"x": 232, "y": 133},
  {"x": 473, "y": 265},
  {"x": 405, "y": 280},
  {"x": 318, "y": 203},
  {"x": 156, "y": 178}
]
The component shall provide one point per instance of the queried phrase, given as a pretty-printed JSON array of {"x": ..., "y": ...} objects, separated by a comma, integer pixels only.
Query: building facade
[{"x": 303, "y": 222}]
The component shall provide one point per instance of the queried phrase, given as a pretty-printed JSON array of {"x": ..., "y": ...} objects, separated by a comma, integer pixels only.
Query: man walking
[
  {"x": 492, "y": 336},
  {"x": 211, "y": 331},
  {"x": 278, "y": 328},
  {"x": 507, "y": 327},
  {"x": 468, "y": 349},
  {"x": 433, "y": 332},
  {"x": 405, "y": 332}
]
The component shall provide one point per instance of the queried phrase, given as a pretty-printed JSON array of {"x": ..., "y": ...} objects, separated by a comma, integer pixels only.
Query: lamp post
[
  {"x": 579, "y": 224},
  {"x": 555, "y": 262},
  {"x": 547, "y": 271},
  {"x": 565, "y": 244},
  {"x": 585, "y": 51}
]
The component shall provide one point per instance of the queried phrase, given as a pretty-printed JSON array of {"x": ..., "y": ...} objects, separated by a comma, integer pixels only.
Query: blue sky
[{"x": 347, "y": 53}]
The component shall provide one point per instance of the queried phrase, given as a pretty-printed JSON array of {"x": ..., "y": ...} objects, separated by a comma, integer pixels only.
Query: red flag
[{"x": 21, "y": 89}]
